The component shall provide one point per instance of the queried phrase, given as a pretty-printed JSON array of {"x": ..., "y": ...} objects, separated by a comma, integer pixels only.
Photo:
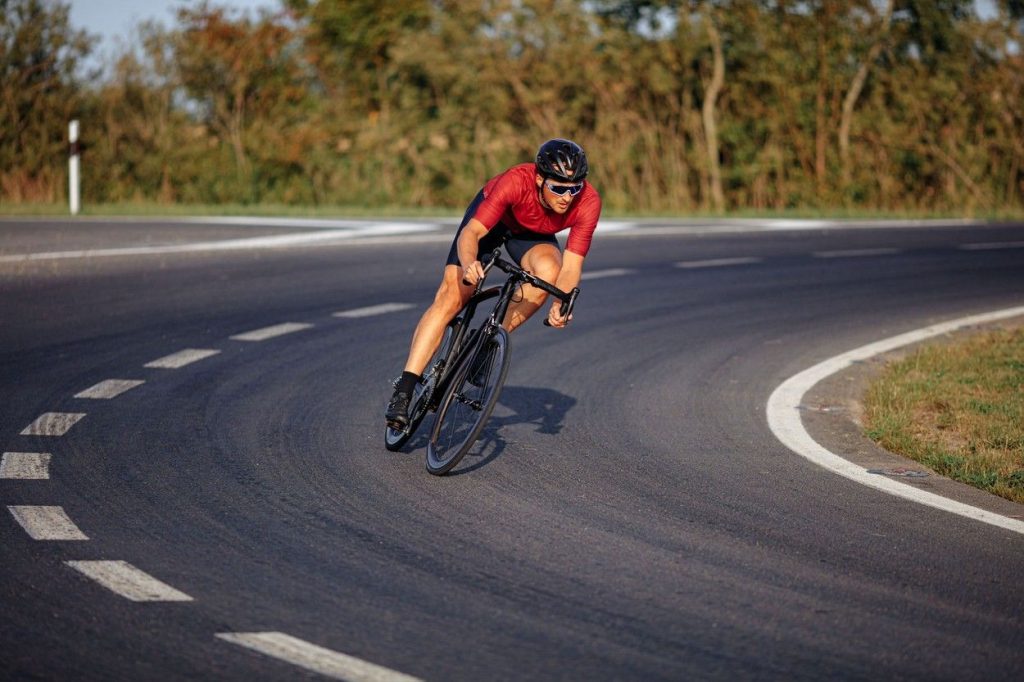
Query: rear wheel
[{"x": 468, "y": 402}]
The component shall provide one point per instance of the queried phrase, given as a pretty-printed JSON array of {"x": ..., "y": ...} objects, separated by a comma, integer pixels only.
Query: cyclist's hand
[
  {"x": 555, "y": 318},
  {"x": 474, "y": 273}
]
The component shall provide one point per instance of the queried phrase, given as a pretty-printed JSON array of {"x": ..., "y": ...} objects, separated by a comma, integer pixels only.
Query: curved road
[{"x": 631, "y": 516}]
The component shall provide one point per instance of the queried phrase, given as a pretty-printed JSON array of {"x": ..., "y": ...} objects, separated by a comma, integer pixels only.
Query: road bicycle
[{"x": 463, "y": 380}]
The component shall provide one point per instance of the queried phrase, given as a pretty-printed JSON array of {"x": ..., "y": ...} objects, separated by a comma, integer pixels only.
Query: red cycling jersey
[{"x": 511, "y": 199}]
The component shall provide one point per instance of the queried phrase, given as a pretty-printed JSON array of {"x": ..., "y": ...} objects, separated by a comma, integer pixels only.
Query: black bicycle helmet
[{"x": 562, "y": 160}]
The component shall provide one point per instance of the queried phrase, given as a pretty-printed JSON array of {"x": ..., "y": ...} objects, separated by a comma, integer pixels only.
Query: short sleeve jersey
[{"x": 511, "y": 199}]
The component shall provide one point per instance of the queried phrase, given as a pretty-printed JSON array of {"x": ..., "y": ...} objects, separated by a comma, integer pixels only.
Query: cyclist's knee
[
  {"x": 545, "y": 263},
  {"x": 548, "y": 270}
]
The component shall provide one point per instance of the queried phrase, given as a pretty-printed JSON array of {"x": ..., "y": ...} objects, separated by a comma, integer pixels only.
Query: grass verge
[{"x": 959, "y": 409}]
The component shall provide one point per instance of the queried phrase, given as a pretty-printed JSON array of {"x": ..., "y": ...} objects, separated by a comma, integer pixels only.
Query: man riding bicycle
[{"x": 523, "y": 208}]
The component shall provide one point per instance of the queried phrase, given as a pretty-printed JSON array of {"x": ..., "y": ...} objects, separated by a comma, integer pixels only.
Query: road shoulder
[{"x": 832, "y": 413}]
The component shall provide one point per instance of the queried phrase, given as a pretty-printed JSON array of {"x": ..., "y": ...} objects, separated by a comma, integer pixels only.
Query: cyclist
[{"x": 524, "y": 207}]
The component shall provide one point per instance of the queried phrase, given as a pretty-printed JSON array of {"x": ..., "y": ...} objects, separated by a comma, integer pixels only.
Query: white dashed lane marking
[
  {"x": 717, "y": 262},
  {"x": 856, "y": 253},
  {"x": 315, "y": 658},
  {"x": 610, "y": 272},
  {"x": 991, "y": 246},
  {"x": 124, "y": 579},
  {"x": 111, "y": 388},
  {"x": 25, "y": 465},
  {"x": 271, "y": 332},
  {"x": 369, "y": 311},
  {"x": 181, "y": 358},
  {"x": 52, "y": 424},
  {"x": 46, "y": 523}
]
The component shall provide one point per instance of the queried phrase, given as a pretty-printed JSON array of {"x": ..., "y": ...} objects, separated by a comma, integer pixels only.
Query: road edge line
[{"x": 785, "y": 421}]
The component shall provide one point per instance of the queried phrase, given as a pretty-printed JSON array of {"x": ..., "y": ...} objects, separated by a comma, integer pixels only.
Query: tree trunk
[
  {"x": 820, "y": 125},
  {"x": 710, "y": 127},
  {"x": 850, "y": 101}
]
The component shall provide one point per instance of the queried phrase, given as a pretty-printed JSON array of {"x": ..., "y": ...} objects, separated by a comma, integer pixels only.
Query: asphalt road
[{"x": 631, "y": 516}]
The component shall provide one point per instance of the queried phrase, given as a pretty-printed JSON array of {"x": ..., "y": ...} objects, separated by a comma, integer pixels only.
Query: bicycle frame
[
  {"x": 459, "y": 344},
  {"x": 517, "y": 277}
]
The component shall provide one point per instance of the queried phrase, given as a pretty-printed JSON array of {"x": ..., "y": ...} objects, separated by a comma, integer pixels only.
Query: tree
[
  {"x": 237, "y": 71},
  {"x": 39, "y": 56}
]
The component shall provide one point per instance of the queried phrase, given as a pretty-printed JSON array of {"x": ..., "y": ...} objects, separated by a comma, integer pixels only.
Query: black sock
[{"x": 407, "y": 383}]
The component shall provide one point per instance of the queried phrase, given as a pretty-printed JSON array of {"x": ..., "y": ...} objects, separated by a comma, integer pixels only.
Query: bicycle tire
[
  {"x": 394, "y": 439},
  {"x": 466, "y": 407}
]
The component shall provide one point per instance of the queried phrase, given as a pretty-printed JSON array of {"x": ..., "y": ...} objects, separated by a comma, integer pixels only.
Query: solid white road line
[
  {"x": 110, "y": 388},
  {"x": 345, "y": 229},
  {"x": 124, "y": 579},
  {"x": 312, "y": 657},
  {"x": 607, "y": 226},
  {"x": 339, "y": 231},
  {"x": 257, "y": 221},
  {"x": 52, "y": 424},
  {"x": 271, "y": 332},
  {"x": 25, "y": 465},
  {"x": 181, "y": 358},
  {"x": 990, "y": 246},
  {"x": 374, "y": 310},
  {"x": 610, "y": 272},
  {"x": 784, "y": 419},
  {"x": 276, "y": 241},
  {"x": 856, "y": 253},
  {"x": 717, "y": 262},
  {"x": 270, "y": 242},
  {"x": 46, "y": 523}
]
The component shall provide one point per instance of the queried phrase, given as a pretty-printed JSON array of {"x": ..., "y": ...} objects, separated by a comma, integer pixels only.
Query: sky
[{"x": 113, "y": 20}]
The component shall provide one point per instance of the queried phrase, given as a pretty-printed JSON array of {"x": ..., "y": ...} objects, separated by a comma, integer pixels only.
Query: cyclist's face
[{"x": 559, "y": 203}]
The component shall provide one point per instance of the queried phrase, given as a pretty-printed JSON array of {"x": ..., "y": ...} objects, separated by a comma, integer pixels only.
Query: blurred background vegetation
[{"x": 683, "y": 106}]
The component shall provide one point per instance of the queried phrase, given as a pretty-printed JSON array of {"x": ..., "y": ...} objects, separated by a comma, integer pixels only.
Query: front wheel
[{"x": 468, "y": 402}]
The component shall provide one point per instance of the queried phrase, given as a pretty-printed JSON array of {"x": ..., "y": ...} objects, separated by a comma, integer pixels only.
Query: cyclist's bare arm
[
  {"x": 469, "y": 248},
  {"x": 568, "y": 279}
]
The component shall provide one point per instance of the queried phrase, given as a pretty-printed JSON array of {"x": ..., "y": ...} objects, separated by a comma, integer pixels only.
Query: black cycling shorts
[{"x": 516, "y": 244}]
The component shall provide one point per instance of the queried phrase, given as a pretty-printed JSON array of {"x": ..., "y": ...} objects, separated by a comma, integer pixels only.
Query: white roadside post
[{"x": 73, "y": 167}]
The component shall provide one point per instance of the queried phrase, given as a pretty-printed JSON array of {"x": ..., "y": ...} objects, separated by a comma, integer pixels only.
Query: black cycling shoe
[{"x": 397, "y": 414}]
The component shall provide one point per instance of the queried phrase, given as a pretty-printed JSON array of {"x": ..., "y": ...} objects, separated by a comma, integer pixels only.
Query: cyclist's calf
[{"x": 450, "y": 297}]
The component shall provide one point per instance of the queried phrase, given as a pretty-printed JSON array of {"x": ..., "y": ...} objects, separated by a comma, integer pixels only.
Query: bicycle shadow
[{"x": 544, "y": 407}]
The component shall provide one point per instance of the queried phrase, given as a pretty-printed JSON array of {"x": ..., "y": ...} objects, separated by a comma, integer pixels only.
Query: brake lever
[
  {"x": 490, "y": 264},
  {"x": 566, "y": 308}
]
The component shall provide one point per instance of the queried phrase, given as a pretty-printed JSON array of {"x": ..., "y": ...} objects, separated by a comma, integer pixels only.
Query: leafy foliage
[
  {"x": 683, "y": 105},
  {"x": 39, "y": 94}
]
